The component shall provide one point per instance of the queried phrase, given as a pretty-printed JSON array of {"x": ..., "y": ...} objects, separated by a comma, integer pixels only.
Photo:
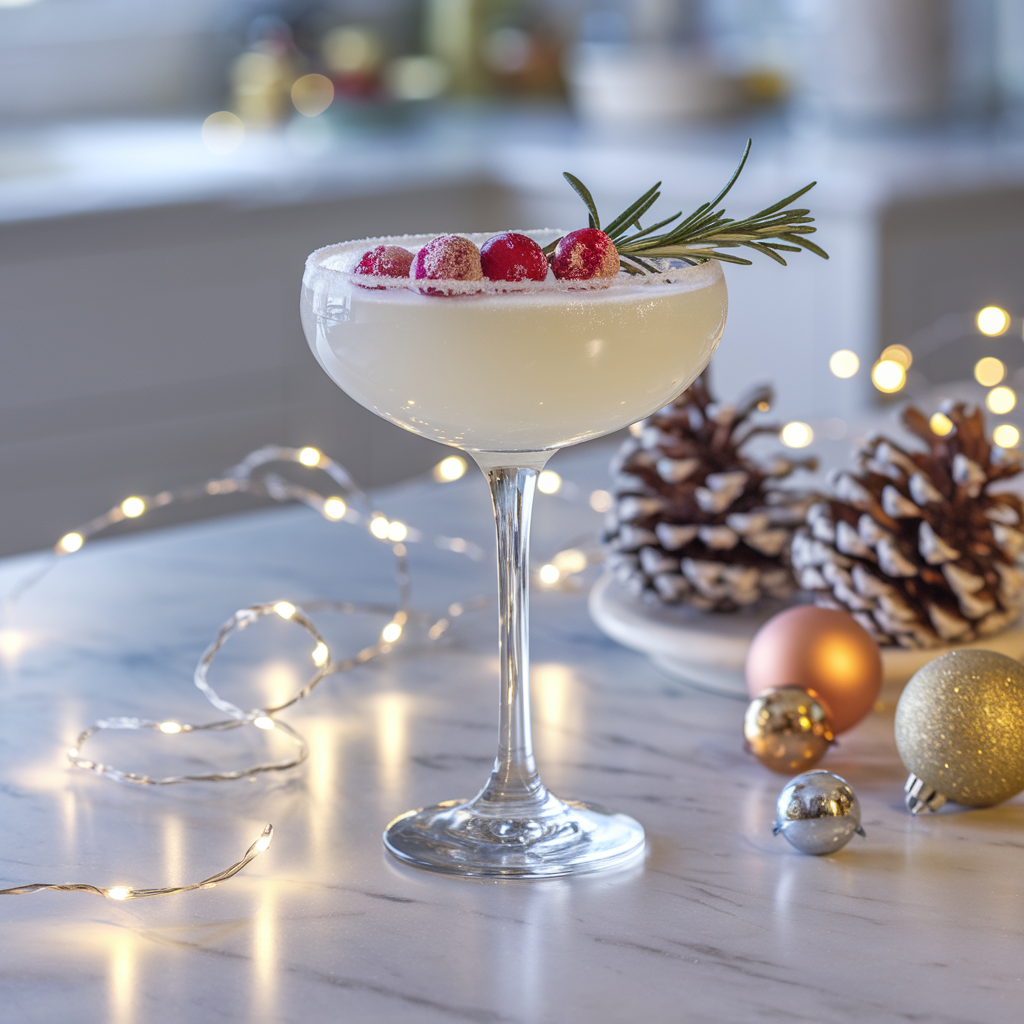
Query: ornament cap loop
[{"x": 921, "y": 797}]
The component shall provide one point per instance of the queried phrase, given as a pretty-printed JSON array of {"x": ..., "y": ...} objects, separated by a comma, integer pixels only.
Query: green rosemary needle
[{"x": 705, "y": 232}]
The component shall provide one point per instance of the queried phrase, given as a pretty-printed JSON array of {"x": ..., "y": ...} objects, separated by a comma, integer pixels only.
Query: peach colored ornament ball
[{"x": 818, "y": 649}]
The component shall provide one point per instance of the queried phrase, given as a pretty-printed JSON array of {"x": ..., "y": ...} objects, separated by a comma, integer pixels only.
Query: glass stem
[{"x": 514, "y": 788}]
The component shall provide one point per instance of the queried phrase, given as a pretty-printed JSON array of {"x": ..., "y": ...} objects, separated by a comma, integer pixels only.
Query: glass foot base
[{"x": 569, "y": 838}]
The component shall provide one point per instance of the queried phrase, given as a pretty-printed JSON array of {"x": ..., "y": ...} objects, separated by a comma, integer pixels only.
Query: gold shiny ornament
[
  {"x": 787, "y": 730},
  {"x": 960, "y": 731}
]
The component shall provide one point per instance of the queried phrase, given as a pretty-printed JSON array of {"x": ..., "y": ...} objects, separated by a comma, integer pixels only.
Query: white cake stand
[{"x": 709, "y": 650}]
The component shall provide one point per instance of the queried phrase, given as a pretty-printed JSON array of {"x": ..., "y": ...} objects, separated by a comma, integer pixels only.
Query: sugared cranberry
[
  {"x": 447, "y": 258},
  {"x": 384, "y": 261},
  {"x": 585, "y": 254},
  {"x": 513, "y": 257}
]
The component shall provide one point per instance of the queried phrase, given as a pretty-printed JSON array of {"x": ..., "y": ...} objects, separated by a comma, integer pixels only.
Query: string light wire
[
  {"x": 126, "y": 892},
  {"x": 253, "y": 476}
]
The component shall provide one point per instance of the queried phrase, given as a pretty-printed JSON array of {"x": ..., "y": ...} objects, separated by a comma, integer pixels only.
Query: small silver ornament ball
[{"x": 818, "y": 813}]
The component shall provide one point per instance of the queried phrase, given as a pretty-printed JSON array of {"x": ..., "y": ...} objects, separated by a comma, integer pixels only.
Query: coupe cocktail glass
[{"x": 510, "y": 373}]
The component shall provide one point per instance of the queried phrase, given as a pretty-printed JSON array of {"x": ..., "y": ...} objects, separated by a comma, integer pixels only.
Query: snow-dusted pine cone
[
  {"x": 916, "y": 545},
  {"x": 696, "y": 521}
]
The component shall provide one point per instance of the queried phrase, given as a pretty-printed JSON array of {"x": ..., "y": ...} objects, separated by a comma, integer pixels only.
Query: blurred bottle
[
  {"x": 353, "y": 58},
  {"x": 262, "y": 76},
  {"x": 453, "y": 32},
  {"x": 648, "y": 63}
]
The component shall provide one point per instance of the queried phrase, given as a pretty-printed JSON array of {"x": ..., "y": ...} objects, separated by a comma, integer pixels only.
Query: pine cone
[
  {"x": 916, "y": 545},
  {"x": 695, "y": 520}
]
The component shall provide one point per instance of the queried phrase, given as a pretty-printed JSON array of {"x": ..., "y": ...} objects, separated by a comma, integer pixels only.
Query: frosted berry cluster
[{"x": 578, "y": 256}]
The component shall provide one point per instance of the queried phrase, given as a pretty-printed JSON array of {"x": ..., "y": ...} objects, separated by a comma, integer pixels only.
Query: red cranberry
[
  {"x": 447, "y": 258},
  {"x": 384, "y": 261},
  {"x": 585, "y": 254},
  {"x": 513, "y": 257}
]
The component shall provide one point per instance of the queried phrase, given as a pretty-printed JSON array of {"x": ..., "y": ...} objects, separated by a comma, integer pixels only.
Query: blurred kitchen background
[{"x": 166, "y": 167}]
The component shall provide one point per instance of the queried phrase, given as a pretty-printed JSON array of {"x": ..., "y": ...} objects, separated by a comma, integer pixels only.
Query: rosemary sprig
[{"x": 704, "y": 233}]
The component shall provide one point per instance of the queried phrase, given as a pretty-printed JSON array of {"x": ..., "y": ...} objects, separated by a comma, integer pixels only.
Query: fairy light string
[
  {"x": 127, "y": 892},
  {"x": 253, "y": 476}
]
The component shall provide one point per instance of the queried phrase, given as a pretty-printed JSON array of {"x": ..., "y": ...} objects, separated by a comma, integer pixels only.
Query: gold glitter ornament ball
[
  {"x": 787, "y": 730},
  {"x": 960, "y": 730}
]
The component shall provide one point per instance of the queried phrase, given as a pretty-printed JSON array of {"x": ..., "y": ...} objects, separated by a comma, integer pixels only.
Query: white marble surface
[{"x": 921, "y": 921}]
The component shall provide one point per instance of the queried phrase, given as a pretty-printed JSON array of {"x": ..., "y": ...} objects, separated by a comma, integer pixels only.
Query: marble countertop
[{"x": 920, "y": 921}]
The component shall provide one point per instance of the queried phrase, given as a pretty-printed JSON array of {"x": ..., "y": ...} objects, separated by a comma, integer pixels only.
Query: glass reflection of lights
[
  {"x": 392, "y": 714},
  {"x": 121, "y": 970}
]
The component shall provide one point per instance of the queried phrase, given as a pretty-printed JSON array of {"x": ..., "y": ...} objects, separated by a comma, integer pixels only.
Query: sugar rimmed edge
[{"x": 354, "y": 249}]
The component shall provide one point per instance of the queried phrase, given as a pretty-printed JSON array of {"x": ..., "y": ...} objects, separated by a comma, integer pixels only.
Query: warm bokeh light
[
  {"x": 285, "y": 609},
  {"x": 993, "y": 321},
  {"x": 309, "y": 457},
  {"x": 1006, "y": 435},
  {"x": 897, "y": 354},
  {"x": 223, "y": 133},
  {"x": 391, "y": 632},
  {"x": 600, "y": 501},
  {"x": 989, "y": 371},
  {"x": 320, "y": 654},
  {"x": 263, "y": 722},
  {"x": 888, "y": 376},
  {"x": 548, "y": 482},
  {"x": 570, "y": 561},
  {"x": 379, "y": 527},
  {"x": 940, "y": 423},
  {"x": 844, "y": 363},
  {"x": 312, "y": 94},
  {"x": 170, "y": 728},
  {"x": 1001, "y": 400},
  {"x": 449, "y": 469},
  {"x": 397, "y": 531},
  {"x": 417, "y": 77},
  {"x": 549, "y": 574},
  {"x": 71, "y": 542},
  {"x": 118, "y": 892},
  {"x": 351, "y": 50},
  {"x": 335, "y": 508},
  {"x": 263, "y": 843},
  {"x": 636, "y": 429},
  {"x": 133, "y": 507},
  {"x": 796, "y": 435}
]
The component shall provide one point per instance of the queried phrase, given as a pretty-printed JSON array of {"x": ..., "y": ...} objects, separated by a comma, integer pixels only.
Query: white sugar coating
[
  {"x": 341, "y": 259},
  {"x": 510, "y": 366}
]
